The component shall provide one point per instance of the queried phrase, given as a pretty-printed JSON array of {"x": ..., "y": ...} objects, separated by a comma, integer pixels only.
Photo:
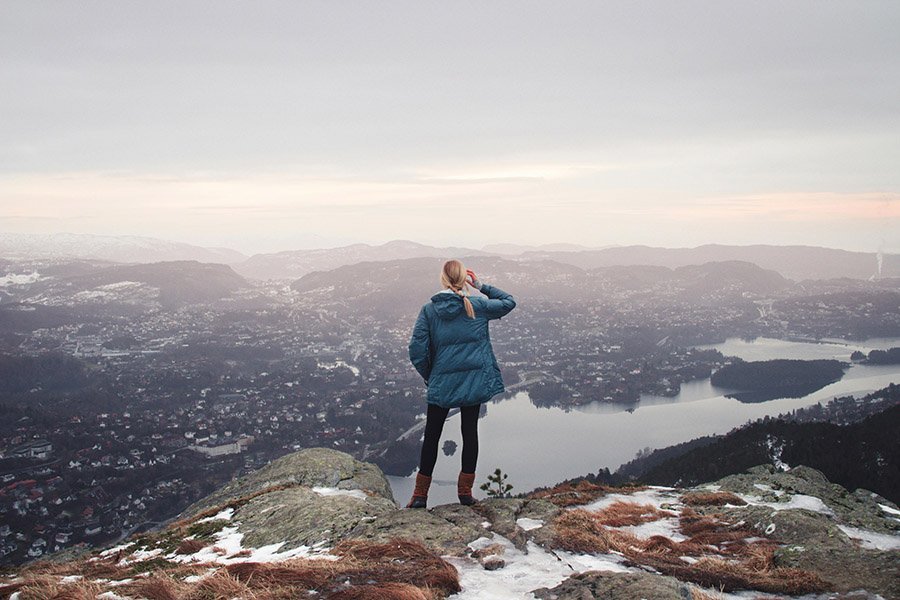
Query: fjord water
[{"x": 542, "y": 446}]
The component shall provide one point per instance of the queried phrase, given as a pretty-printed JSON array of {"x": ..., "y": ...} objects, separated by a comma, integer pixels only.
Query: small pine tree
[{"x": 496, "y": 486}]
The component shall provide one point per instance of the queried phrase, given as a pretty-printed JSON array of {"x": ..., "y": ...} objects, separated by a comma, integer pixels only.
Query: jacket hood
[{"x": 447, "y": 305}]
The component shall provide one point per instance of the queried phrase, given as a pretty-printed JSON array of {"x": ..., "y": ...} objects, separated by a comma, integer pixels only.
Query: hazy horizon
[
  {"x": 281, "y": 125},
  {"x": 550, "y": 246}
]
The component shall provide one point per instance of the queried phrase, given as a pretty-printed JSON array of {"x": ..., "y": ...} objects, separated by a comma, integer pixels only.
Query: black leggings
[{"x": 434, "y": 425}]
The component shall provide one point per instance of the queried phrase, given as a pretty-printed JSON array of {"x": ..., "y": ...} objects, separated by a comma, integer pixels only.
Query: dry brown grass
[
  {"x": 402, "y": 561},
  {"x": 397, "y": 569},
  {"x": 190, "y": 547},
  {"x": 567, "y": 494},
  {"x": 7, "y": 590},
  {"x": 726, "y": 560},
  {"x": 579, "y": 530},
  {"x": 46, "y": 587},
  {"x": 620, "y": 513},
  {"x": 712, "y": 499},
  {"x": 362, "y": 564},
  {"x": 298, "y": 574},
  {"x": 220, "y": 585},
  {"x": 159, "y": 586}
]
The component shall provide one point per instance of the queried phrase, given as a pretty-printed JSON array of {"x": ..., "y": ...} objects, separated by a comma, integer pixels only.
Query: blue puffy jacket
[{"x": 453, "y": 352}]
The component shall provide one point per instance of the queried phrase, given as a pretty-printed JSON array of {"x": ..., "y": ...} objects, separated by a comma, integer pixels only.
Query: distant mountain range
[
  {"x": 401, "y": 286},
  {"x": 793, "y": 262},
  {"x": 515, "y": 249},
  {"x": 115, "y": 248},
  {"x": 296, "y": 263}
]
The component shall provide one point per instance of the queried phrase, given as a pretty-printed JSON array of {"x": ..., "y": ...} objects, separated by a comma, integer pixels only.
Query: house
[{"x": 40, "y": 449}]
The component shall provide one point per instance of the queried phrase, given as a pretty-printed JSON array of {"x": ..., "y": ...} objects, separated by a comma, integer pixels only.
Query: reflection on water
[{"x": 542, "y": 446}]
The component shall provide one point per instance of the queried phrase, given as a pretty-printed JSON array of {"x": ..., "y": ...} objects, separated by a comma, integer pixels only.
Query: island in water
[{"x": 759, "y": 381}]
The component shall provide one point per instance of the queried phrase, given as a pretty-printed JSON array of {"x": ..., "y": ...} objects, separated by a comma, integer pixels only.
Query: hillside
[
  {"x": 319, "y": 523},
  {"x": 860, "y": 455},
  {"x": 297, "y": 263},
  {"x": 401, "y": 286},
  {"x": 794, "y": 262},
  {"x": 124, "y": 249},
  {"x": 169, "y": 284}
]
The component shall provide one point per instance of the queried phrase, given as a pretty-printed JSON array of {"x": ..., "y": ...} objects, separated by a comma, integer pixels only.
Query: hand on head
[{"x": 472, "y": 279}]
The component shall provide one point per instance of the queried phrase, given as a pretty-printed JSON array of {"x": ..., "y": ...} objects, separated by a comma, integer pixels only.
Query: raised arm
[
  {"x": 420, "y": 346},
  {"x": 498, "y": 304}
]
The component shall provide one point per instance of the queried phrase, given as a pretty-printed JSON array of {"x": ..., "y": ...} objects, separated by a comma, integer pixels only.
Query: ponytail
[
  {"x": 468, "y": 304},
  {"x": 453, "y": 276}
]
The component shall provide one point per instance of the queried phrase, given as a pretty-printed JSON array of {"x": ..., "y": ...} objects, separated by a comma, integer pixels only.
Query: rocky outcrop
[
  {"x": 860, "y": 508},
  {"x": 617, "y": 586},
  {"x": 838, "y": 538},
  {"x": 324, "y": 522},
  {"x": 313, "y": 467}
]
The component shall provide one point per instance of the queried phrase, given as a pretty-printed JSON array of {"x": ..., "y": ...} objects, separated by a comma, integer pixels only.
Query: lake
[{"x": 543, "y": 446}]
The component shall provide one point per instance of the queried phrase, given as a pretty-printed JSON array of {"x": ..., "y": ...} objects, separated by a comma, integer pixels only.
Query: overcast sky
[{"x": 269, "y": 125}]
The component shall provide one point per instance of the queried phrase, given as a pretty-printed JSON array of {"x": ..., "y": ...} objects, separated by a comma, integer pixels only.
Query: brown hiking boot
[
  {"x": 464, "y": 488},
  {"x": 420, "y": 493}
]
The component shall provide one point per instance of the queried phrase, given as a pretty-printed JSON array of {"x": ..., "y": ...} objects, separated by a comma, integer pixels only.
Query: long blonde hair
[{"x": 453, "y": 277}]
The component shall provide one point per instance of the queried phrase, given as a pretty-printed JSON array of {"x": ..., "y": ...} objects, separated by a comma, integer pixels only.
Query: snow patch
[
  {"x": 664, "y": 527},
  {"x": 768, "y": 488},
  {"x": 797, "y": 501},
  {"x": 119, "y": 285},
  {"x": 140, "y": 555},
  {"x": 524, "y": 571},
  {"x": 889, "y": 510},
  {"x": 776, "y": 447},
  {"x": 527, "y": 524},
  {"x": 339, "y": 363},
  {"x": 225, "y": 515},
  {"x": 23, "y": 279},
  {"x": 656, "y": 495},
  {"x": 330, "y": 491},
  {"x": 226, "y": 549},
  {"x": 115, "y": 549},
  {"x": 871, "y": 539}
]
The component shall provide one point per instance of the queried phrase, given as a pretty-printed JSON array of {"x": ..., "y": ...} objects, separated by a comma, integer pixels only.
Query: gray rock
[
  {"x": 493, "y": 563},
  {"x": 502, "y": 513},
  {"x": 310, "y": 468},
  {"x": 446, "y": 529},
  {"x": 858, "y": 509},
  {"x": 812, "y": 540},
  {"x": 300, "y": 516},
  {"x": 617, "y": 586}
]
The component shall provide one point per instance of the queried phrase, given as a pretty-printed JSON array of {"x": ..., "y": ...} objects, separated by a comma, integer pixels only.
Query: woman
[{"x": 451, "y": 350}]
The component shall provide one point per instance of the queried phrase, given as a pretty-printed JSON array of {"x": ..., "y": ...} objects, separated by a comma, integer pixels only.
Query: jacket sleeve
[
  {"x": 498, "y": 304},
  {"x": 420, "y": 346}
]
